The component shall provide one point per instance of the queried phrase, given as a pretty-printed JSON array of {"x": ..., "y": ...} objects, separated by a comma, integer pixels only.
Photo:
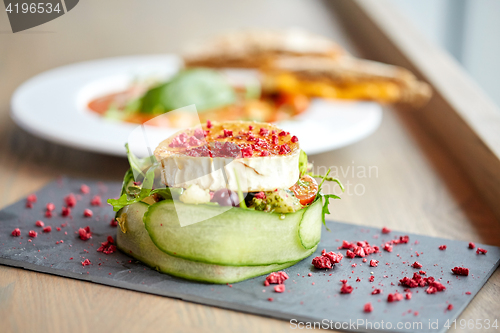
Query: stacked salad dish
[{"x": 221, "y": 203}]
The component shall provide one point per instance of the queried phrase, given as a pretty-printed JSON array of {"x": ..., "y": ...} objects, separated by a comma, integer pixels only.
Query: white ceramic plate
[{"x": 53, "y": 105}]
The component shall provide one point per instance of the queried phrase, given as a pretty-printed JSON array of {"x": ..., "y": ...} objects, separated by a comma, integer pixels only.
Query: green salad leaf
[
  {"x": 205, "y": 88},
  {"x": 303, "y": 164}
]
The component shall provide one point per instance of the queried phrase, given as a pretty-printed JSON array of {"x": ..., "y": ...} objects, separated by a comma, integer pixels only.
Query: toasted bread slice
[
  {"x": 252, "y": 48},
  {"x": 345, "y": 78}
]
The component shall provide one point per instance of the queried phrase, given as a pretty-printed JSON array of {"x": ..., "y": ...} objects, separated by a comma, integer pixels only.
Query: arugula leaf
[
  {"x": 302, "y": 163},
  {"x": 138, "y": 165},
  {"x": 326, "y": 210}
]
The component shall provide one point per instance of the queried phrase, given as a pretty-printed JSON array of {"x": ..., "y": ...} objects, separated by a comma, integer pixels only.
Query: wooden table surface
[{"x": 414, "y": 186}]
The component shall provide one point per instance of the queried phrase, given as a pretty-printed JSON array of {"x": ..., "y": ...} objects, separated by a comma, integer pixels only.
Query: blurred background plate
[{"x": 53, "y": 105}]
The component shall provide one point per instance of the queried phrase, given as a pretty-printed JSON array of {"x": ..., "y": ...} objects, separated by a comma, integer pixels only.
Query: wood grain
[{"x": 418, "y": 186}]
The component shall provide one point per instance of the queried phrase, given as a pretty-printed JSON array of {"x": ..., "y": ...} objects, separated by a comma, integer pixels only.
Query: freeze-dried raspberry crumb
[
  {"x": 47, "y": 229},
  {"x": 350, "y": 254},
  {"x": 65, "y": 211},
  {"x": 404, "y": 239},
  {"x": 450, "y": 307},
  {"x": 368, "y": 307},
  {"x": 96, "y": 200},
  {"x": 279, "y": 288},
  {"x": 39, "y": 223},
  {"x": 87, "y": 213},
  {"x": 113, "y": 223},
  {"x": 372, "y": 278},
  {"x": 365, "y": 260},
  {"x": 58, "y": 229},
  {"x": 270, "y": 299},
  {"x": 423, "y": 272},
  {"x": 85, "y": 233},
  {"x": 481, "y": 251},
  {"x": 468, "y": 293},
  {"x": 277, "y": 277},
  {"x": 396, "y": 297},
  {"x": 84, "y": 189},
  {"x": 31, "y": 198},
  {"x": 472, "y": 245},
  {"x": 374, "y": 263},
  {"x": 386, "y": 230},
  {"x": 460, "y": 271},
  {"x": 322, "y": 262},
  {"x": 408, "y": 296},
  {"x": 359, "y": 251},
  {"x": 376, "y": 291},
  {"x": 346, "y": 289},
  {"x": 416, "y": 264},
  {"x": 16, "y": 232},
  {"x": 442, "y": 247},
  {"x": 346, "y": 245},
  {"x": 107, "y": 247},
  {"x": 354, "y": 265},
  {"x": 70, "y": 200},
  {"x": 388, "y": 247},
  {"x": 32, "y": 233},
  {"x": 86, "y": 262},
  {"x": 260, "y": 195},
  {"x": 50, "y": 206},
  {"x": 431, "y": 290},
  {"x": 48, "y": 213},
  {"x": 335, "y": 258}
]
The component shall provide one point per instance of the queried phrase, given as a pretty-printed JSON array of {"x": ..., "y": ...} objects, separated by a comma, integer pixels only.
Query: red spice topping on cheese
[
  {"x": 276, "y": 278},
  {"x": 294, "y": 139},
  {"x": 260, "y": 195},
  {"x": 85, "y": 233},
  {"x": 460, "y": 271},
  {"x": 16, "y": 232},
  {"x": 263, "y": 131}
]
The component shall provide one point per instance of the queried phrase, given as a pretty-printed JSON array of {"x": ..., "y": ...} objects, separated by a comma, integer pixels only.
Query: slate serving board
[{"x": 307, "y": 299}]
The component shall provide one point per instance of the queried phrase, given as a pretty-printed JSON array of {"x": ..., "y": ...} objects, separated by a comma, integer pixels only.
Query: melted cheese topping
[{"x": 260, "y": 157}]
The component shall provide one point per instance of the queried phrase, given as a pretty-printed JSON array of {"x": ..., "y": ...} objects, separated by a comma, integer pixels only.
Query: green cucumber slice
[
  {"x": 310, "y": 229},
  {"x": 234, "y": 237},
  {"x": 137, "y": 243}
]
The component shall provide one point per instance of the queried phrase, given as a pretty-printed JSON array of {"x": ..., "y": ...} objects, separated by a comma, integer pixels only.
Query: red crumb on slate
[
  {"x": 70, "y": 200},
  {"x": 374, "y": 263},
  {"x": 423, "y": 272},
  {"x": 372, "y": 278},
  {"x": 472, "y": 245},
  {"x": 270, "y": 299},
  {"x": 481, "y": 251},
  {"x": 376, "y": 291},
  {"x": 96, "y": 201},
  {"x": 65, "y": 211},
  {"x": 309, "y": 274},
  {"x": 416, "y": 264},
  {"x": 86, "y": 262},
  {"x": 87, "y": 213},
  {"x": 442, "y": 247},
  {"x": 354, "y": 265},
  {"x": 368, "y": 307},
  {"x": 32, "y": 233},
  {"x": 350, "y": 254},
  {"x": 279, "y": 288},
  {"x": 84, "y": 189},
  {"x": 39, "y": 223},
  {"x": 50, "y": 206},
  {"x": 387, "y": 247},
  {"x": 276, "y": 278},
  {"x": 346, "y": 289},
  {"x": 107, "y": 247},
  {"x": 396, "y": 297},
  {"x": 113, "y": 223},
  {"x": 31, "y": 198},
  {"x": 48, "y": 213},
  {"x": 408, "y": 295},
  {"x": 450, "y": 307},
  {"x": 365, "y": 260},
  {"x": 85, "y": 233},
  {"x": 47, "y": 229},
  {"x": 386, "y": 230},
  {"x": 327, "y": 259},
  {"x": 16, "y": 232},
  {"x": 460, "y": 271},
  {"x": 468, "y": 293},
  {"x": 58, "y": 229}
]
